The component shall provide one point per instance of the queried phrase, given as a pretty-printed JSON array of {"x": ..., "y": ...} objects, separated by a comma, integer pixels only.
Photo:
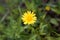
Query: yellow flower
[
  {"x": 47, "y": 8},
  {"x": 29, "y": 17}
]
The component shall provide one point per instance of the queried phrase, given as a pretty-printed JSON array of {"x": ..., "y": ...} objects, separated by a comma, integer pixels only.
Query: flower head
[
  {"x": 47, "y": 8},
  {"x": 29, "y": 17}
]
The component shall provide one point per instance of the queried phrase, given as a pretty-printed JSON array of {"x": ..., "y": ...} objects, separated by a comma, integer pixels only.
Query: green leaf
[
  {"x": 54, "y": 21},
  {"x": 43, "y": 29},
  {"x": 33, "y": 37},
  {"x": 56, "y": 10},
  {"x": 30, "y": 6},
  {"x": 50, "y": 38}
]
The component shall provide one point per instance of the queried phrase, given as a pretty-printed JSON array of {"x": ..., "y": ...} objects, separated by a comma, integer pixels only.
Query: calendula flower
[
  {"x": 29, "y": 17},
  {"x": 47, "y": 8}
]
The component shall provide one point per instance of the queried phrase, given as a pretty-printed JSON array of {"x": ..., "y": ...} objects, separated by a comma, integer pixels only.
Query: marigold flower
[
  {"x": 47, "y": 8},
  {"x": 29, "y": 17}
]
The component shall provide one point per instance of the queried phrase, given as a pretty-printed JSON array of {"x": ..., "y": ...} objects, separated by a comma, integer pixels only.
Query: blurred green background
[{"x": 47, "y": 26}]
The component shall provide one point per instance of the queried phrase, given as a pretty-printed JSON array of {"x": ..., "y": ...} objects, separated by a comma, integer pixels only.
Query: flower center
[{"x": 29, "y": 18}]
